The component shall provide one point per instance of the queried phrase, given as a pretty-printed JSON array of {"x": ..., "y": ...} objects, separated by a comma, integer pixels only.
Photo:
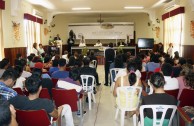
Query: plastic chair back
[
  {"x": 32, "y": 118},
  {"x": 44, "y": 94},
  {"x": 155, "y": 109},
  {"x": 143, "y": 76},
  {"x": 62, "y": 97},
  {"x": 19, "y": 91},
  {"x": 87, "y": 86},
  {"x": 113, "y": 73},
  {"x": 186, "y": 98},
  {"x": 128, "y": 97},
  {"x": 54, "y": 80},
  {"x": 173, "y": 92}
]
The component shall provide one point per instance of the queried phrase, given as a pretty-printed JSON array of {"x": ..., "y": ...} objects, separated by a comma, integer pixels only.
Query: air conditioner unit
[
  {"x": 171, "y": 4},
  {"x": 37, "y": 13}
]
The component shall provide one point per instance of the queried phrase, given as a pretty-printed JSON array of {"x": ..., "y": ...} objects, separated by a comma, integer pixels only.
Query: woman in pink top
[{"x": 185, "y": 77}]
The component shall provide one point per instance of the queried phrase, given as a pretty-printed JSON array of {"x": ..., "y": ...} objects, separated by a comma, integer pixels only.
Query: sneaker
[{"x": 105, "y": 84}]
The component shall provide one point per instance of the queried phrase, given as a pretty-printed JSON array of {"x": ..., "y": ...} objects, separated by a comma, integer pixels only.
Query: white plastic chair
[
  {"x": 155, "y": 109},
  {"x": 115, "y": 71},
  {"x": 128, "y": 100},
  {"x": 88, "y": 89},
  {"x": 95, "y": 63}
]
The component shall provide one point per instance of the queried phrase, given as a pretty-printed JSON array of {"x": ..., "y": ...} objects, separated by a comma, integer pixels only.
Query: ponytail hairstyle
[{"x": 132, "y": 78}]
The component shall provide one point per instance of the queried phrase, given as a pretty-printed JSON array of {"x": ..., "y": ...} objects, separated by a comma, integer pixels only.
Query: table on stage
[{"x": 99, "y": 51}]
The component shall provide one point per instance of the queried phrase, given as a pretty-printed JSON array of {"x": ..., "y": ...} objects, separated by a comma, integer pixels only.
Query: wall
[
  {"x": 140, "y": 19},
  {"x": 23, "y": 7}
]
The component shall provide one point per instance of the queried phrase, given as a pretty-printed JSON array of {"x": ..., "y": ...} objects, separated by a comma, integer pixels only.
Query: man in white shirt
[
  {"x": 40, "y": 49},
  {"x": 98, "y": 43},
  {"x": 171, "y": 83}
]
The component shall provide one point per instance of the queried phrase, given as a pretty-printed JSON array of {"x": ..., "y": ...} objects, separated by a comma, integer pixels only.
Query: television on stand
[{"x": 145, "y": 43}]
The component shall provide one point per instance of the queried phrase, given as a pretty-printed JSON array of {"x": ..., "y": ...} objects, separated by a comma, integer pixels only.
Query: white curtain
[
  {"x": 1, "y": 38},
  {"x": 173, "y": 32},
  {"x": 32, "y": 34}
]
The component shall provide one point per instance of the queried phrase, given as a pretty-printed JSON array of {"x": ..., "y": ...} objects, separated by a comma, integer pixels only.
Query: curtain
[
  {"x": 32, "y": 34},
  {"x": 173, "y": 32},
  {"x": 1, "y": 38}
]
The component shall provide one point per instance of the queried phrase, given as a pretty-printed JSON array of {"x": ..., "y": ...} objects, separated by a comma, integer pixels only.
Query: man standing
[
  {"x": 109, "y": 58},
  {"x": 57, "y": 37}
]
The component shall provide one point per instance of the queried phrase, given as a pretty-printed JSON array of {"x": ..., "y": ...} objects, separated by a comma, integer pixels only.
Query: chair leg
[
  {"x": 122, "y": 117},
  {"x": 116, "y": 114},
  {"x": 112, "y": 87},
  {"x": 93, "y": 97},
  {"x": 89, "y": 100},
  {"x": 134, "y": 120}
]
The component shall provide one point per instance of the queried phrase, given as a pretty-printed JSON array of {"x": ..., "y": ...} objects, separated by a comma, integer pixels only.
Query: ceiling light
[
  {"x": 131, "y": 7},
  {"x": 81, "y": 8}
]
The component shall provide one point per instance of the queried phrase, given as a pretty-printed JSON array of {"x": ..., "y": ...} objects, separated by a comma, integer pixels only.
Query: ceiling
[{"x": 65, "y": 6}]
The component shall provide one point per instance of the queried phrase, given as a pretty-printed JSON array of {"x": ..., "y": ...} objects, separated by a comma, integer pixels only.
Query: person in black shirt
[
  {"x": 57, "y": 37},
  {"x": 159, "y": 97},
  {"x": 109, "y": 58}
]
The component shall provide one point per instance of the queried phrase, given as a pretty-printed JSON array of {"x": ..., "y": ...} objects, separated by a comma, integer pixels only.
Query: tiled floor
[{"x": 103, "y": 111}]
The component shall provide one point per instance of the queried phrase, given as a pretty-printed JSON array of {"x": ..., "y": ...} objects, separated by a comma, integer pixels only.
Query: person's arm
[
  {"x": 13, "y": 116},
  {"x": 54, "y": 113},
  {"x": 115, "y": 87}
]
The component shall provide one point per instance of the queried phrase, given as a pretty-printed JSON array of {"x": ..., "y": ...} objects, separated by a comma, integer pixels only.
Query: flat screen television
[{"x": 145, "y": 43}]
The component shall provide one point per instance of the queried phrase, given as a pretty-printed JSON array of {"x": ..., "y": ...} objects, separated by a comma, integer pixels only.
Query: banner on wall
[{"x": 103, "y": 31}]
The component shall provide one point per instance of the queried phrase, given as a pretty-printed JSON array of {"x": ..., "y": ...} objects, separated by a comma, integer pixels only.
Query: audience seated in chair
[
  {"x": 86, "y": 70},
  {"x": 159, "y": 97},
  {"x": 153, "y": 64},
  {"x": 6, "y": 83},
  {"x": 23, "y": 64},
  {"x": 4, "y": 64},
  {"x": 61, "y": 73},
  {"x": 7, "y": 114},
  {"x": 171, "y": 83},
  {"x": 33, "y": 85},
  {"x": 20, "y": 80},
  {"x": 47, "y": 62},
  {"x": 54, "y": 67}
]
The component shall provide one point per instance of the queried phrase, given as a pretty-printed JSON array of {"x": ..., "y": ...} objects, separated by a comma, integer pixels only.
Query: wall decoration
[
  {"x": 16, "y": 30},
  {"x": 157, "y": 31},
  {"x": 192, "y": 29},
  {"x": 46, "y": 31}
]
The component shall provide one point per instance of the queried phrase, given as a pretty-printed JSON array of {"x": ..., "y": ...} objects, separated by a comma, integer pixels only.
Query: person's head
[
  {"x": 40, "y": 46},
  {"x": 74, "y": 74},
  {"x": 86, "y": 61},
  {"x": 4, "y": 64},
  {"x": 170, "y": 45},
  {"x": 76, "y": 54},
  {"x": 110, "y": 44},
  {"x": 37, "y": 72},
  {"x": 61, "y": 62},
  {"x": 186, "y": 68},
  {"x": 168, "y": 60},
  {"x": 182, "y": 61},
  {"x": 36, "y": 59},
  {"x": 138, "y": 63},
  {"x": 166, "y": 69},
  {"x": 9, "y": 77},
  {"x": 18, "y": 56},
  {"x": 154, "y": 58},
  {"x": 176, "y": 55},
  {"x": 47, "y": 59},
  {"x": 29, "y": 58},
  {"x": 160, "y": 44},
  {"x": 32, "y": 54},
  {"x": 92, "y": 52},
  {"x": 55, "y": 63},
  {"x": 6, "y": 112},
  {"x": 57, "y": 57},
  {"x": 43, "y": 55},
  {"x": 19, "y": 70},
  {"x": 189, "y": 79},
  {"x": 157, "y": 80},
  {"x": 35, "y": 45},
  {"x": 119, "y": 61},
  {"x": 65, "y": 52},
  {"x": 190, "y": 61},
  {"x": 23, "y": 63},
  {"x": 39, "y": 65},
  {"x": 98, "y": 41},
  {"x": 33, "y": 84},
  {"x": 131, "y": 68}
]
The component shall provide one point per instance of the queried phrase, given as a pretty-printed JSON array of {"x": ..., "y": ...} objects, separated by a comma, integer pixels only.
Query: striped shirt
[{"x": 6, "y": 92}]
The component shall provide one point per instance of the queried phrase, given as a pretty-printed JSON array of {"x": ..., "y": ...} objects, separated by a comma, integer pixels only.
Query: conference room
[{"x": 100, "y": 63}]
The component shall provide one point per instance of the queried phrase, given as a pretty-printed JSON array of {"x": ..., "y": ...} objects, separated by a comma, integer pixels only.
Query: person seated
[
  {"x": 40, "y": 65},
  {"x": 47, "y": 62},
  {"x": 130, "y": 79},
  {"x": 23, "y": 63},
  {"x": 153, "y": 64},
  {"x": 4, "y": 64},
  {"x": 7, "y": 82},
  {"x": 57, "y": 37},
  {"x": 7, "y": 114},
  {"x": 73, "y": 59},
  {"x": 98, "y": 43},
  {"x": 61, "y": 73},
  {"x": 40, "y": 49},
  {"x": 177, "y": 69},
  {"x": 66, "y": 56},
  {"x": 33, "y": 85},
  {"x": 30, "y": 63},
  {"x": 159, "y": 97},
  {"x": 54, "y": 67},
  {"x": 20, "y": 80},
  {"x": 171, "y": 83},
  {"x": 86, "y": 70},
  {"x": 82, "y": 42}
]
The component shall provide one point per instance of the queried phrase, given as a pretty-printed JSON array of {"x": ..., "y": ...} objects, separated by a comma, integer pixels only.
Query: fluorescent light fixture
[
  {"x": 133, "y": 7},
  {"x": 81, "y": 8}
]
